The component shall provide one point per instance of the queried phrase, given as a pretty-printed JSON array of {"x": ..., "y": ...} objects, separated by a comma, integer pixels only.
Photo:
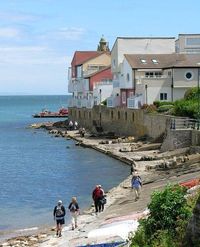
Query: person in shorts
[{"x": 59, "y": 216}]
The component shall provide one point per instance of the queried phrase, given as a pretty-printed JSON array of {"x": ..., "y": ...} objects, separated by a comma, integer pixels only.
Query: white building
[
  {"x": 188, "y": 43},
  {"x": 130, "y": 45},
  {"x": 163, "y": 77}
]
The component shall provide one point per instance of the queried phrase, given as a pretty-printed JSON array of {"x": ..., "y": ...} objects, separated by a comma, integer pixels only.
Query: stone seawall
[{"x": 121, "y": 121}]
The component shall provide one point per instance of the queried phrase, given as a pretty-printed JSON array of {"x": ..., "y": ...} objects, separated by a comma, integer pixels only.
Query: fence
[{"x": 184, "y": 123}]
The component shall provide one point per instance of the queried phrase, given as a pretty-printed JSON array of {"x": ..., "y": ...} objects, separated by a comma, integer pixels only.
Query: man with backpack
[
  {"x": 136, "y": 184},
  {"x": 59, "y": 216}
]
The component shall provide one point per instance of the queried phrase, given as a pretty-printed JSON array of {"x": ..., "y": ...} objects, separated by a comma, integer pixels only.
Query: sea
[{"x": 37, "y": 169}]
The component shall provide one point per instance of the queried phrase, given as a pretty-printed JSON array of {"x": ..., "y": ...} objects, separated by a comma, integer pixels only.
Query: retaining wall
[{"x": 121, "y": 121}]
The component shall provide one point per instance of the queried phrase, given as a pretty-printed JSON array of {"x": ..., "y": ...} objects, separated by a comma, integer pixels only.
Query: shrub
[
  {"x": 151, "y": 108},
  {"x": 160, "y": 103},
  {"x": 186, "y": 108},
  {"x": 169, "y": 213},
  {"x": 164, "y": 108},
  {"x": 191, "y": 93},
  {"x": 144, "y": 106}
]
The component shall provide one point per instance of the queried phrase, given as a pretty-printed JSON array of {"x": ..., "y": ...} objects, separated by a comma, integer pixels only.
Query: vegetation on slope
[{"x": 166, "y": 225}]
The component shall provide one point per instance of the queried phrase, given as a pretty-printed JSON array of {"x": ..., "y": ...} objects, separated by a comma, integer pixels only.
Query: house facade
[
  {"x": 128, "y": 45},
  {"x": 162, "y": 77},
  {"x": 88, "y": 68}
]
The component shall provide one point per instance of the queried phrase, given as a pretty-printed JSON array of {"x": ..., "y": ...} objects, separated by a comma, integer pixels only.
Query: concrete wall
[
  {"x": 181, "y": 81},
  {"x": 180, "y": 138},
  {"x": 121, "y": 121},
  {"x": 133, "y": 122},
  {"x": 177, "y": 139}
]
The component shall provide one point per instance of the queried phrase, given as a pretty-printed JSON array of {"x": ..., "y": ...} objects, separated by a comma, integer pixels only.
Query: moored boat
[{"x": 63, "y": 112}]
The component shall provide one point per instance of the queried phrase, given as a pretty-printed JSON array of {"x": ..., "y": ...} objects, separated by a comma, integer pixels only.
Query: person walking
[
  {"x": 102, "y": 201},
  {"x": 133, "y": 165},
  {"x": 59, "y": 216},
  {"x": 96, "y": 196},
  {"x": 136, "y": 184},
  {"x": 74, "y": 210},
  {"x": 75, "y": 125}
]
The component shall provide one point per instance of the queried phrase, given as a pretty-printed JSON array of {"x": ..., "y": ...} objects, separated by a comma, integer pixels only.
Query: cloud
[
  {"x": 68, "y": 33},
  {"x": 18, "y": 17},
  {"x": 31, "y": 55},
  {"x": 9, "y": 32}
]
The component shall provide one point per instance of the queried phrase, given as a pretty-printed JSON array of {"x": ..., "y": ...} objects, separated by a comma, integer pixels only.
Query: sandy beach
[{"x": 121, "y": 206}]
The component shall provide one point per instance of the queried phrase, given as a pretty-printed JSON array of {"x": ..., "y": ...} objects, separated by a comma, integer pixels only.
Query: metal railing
[{"x": 184, "y": 123}]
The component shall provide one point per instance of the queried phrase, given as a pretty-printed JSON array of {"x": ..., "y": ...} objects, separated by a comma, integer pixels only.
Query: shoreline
[{"x": 116, "y": 196}]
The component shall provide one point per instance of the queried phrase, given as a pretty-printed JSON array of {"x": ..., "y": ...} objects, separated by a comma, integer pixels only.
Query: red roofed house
[{"x": 89, "y": 70}]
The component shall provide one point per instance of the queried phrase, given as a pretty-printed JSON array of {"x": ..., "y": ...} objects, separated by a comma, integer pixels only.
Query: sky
[{"x": 39, "y": 37}]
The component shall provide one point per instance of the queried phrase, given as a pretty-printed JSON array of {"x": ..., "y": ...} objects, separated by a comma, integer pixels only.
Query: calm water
[{"x": 37, "y": 169}]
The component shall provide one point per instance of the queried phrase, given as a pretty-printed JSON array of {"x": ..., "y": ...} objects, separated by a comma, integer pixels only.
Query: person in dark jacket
[
  {"x": 102, "y": 201},
  {"x": 96, "y": 196},
  {"x": 59, "y": 216},
  {"x": 74, "y": 210}
]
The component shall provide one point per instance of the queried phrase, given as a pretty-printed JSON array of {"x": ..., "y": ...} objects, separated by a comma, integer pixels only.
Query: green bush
[
  {"x": 191, "y": 93},
  {"x": 169, "y": 214},
  {"x": 164, "y": 108},
  {"x": 161, "y": 103},
  {"x": 186, "y": 108}
]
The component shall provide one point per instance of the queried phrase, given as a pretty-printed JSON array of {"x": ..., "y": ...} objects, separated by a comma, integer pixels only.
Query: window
[
  {"x": 188, "y": 75},
  {"x": 158, "y": 74},
  {"x": 163, "y": 96},
  {"x": 123, "y": 97},
  {"x": 153, "y": 74},
  {"x": 149, "y": 74},
  {"x": 154, "y": 61},
  {"x": 169, "y": 73},
  {"x": 144, "y": 61},
  {"x": 193, "y": 41},
  {"x": 131, "y": 94},
  {"x": 127, "y": 77}
]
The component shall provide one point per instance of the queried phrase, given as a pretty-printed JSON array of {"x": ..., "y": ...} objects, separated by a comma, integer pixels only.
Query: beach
[{"x": 121, "y": 205}]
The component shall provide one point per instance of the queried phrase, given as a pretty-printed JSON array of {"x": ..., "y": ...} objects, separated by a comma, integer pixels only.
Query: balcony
[{"x": 162, "y": 79}]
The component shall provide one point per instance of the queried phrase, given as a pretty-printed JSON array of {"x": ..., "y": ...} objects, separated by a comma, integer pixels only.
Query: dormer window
[
  {"x": 143, "y": 61},
  {"x": 154, "y": 61}
]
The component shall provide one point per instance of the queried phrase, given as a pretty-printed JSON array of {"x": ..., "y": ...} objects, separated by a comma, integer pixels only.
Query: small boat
[{"x": 63, "y": 112}]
